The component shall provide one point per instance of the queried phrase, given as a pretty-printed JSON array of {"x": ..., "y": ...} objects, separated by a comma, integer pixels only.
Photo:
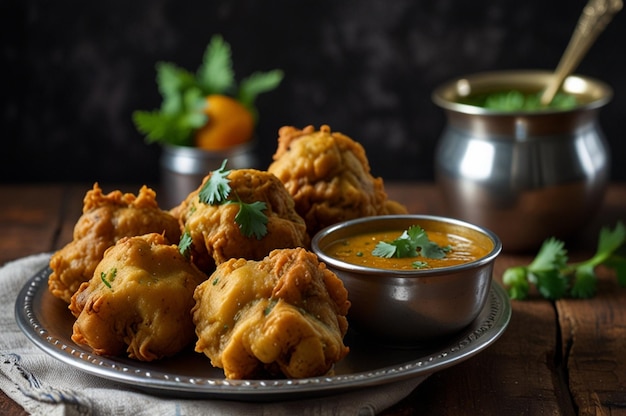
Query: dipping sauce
[{"x": 358, "y": 250}]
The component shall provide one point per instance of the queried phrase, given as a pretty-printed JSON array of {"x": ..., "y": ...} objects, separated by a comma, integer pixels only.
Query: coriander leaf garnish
[
  {"x": 251, "y": 219},
  {"x": 419, "y": 265},
  {"x": 412, "y": 242},
  {"x": 555, "y": 278},
  {"x": 384, "y": 249},
  {"x": 216, "y": 189},
  {"x": 184, "y": 245}
]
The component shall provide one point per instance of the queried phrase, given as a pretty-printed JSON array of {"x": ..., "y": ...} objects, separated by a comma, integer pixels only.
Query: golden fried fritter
[
  {"x": 329, "y": 177},
  {"x": 216, "y": 237},
  {"x": 283, "y": 315},
  {"x": 139, "y": 300},
  {"x": 106, "y": 219}
]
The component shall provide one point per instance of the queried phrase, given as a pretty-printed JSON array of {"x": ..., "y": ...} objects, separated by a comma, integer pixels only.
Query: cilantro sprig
[
  {"x": 554, "y": 278},
  {"x": 184, "y": 94},
  {"x": 216, "y": 190},
  {"x": 412, "y": 242}
]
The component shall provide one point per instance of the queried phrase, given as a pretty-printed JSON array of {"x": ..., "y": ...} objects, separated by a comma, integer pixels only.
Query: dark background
[{"x": 74, "y": 71}]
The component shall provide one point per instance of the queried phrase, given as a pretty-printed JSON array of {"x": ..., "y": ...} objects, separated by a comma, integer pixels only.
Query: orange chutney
[{"x": 357, "y": 250}]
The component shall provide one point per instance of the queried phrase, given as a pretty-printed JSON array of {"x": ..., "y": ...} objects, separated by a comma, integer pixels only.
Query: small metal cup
[
  {"x": 409, "y": 308},
  {"x": 183, "y": 168},
  {"x": 526, "y": 175}
]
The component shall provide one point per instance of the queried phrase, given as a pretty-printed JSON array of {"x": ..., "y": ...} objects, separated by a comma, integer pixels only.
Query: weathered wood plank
[{"x": 29, "y": 219}]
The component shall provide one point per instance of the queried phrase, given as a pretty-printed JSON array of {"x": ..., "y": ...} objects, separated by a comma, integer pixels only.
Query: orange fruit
[{"x": 230, "y": 124}]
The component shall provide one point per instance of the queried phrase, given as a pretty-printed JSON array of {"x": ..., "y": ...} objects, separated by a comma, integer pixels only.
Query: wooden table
[{"x": 555, "y": 358}]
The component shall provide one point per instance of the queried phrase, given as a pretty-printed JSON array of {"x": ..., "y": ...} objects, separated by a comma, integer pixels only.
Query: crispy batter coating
[
  {"x": 283, "y": 315},
  {"x": 216, "y": 237},
  {"x": 329, "y": 177},
  {"x": 139, "y": 300},
  {"x": 106, "y": 219}
]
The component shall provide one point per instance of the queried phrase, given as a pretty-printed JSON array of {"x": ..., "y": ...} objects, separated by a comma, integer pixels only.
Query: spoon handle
[{"x": 595, "y": 17}]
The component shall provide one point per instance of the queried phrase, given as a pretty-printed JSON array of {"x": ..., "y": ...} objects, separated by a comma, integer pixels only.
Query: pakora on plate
[
  {"x": 217, "y": 236},
  {"x": 284, "y": 315},
  {"x": 138, "y": 301},
  {"x": 106, "y": 218},
  {"x": 328, "y": 175}
]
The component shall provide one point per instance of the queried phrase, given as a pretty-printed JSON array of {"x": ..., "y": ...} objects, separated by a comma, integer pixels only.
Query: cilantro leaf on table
[
  {"x": 517, "y": 282},
  {"x": 585, "y": 280},
  {"x": 552, "y": 255},
  {"x": 550, "y": 283},
  {"x": 618, "y": 263},
  {"x": 555, "y": 278}
]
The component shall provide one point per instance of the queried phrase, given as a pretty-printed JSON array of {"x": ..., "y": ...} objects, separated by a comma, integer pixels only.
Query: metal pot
[
  {"x": 183, "y": 168},
  {"x": 526, "y": 175}
]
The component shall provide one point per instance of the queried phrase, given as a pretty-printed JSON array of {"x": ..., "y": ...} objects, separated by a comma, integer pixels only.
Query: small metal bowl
[
  {"x": 183, "y": 168},
  {"x": 409, "y": 308}
]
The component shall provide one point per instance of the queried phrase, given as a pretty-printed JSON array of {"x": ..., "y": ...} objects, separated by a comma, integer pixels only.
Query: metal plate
[{"x": 47, "y": 322}]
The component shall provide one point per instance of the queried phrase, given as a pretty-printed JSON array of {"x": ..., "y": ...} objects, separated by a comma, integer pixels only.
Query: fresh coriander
[
  {"x": 184, "y": 245},
  {"x": 251, "y": 218},
  {"x": 184, "y": 94},
  {"x": 411, "y": 243},
  {"x": 419, "y": 265},
  {"x": 216, "y": 189},
  {"x": 514, "y": 100},
  {"x": 554, "y": 278}
]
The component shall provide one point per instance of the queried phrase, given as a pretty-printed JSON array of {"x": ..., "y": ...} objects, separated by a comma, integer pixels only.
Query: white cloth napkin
[{"x": 45, "y": 386}]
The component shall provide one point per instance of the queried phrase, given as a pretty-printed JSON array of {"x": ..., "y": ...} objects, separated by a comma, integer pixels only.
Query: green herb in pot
[{"x": 514, "y": 100}]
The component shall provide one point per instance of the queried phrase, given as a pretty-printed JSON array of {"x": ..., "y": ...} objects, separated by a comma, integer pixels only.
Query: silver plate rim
[{"x": 483, "y": 332}]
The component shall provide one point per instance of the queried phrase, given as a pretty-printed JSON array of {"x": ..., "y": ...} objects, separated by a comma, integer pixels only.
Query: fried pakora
[
  {"x": 139, "y": 300},
  {"x": 105, "y": 220},
  {"x": 282, "y": 316},
  {"x": 328, "y": 175},
  {"x": 215, "y": 234}
]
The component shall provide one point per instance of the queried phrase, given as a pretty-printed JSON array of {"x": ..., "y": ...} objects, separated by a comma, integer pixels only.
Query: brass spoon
[{"x": 595, "y": 17}]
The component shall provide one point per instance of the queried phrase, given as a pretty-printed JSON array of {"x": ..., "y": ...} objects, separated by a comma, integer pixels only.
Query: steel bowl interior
[{"x": 480, "y": 235}]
